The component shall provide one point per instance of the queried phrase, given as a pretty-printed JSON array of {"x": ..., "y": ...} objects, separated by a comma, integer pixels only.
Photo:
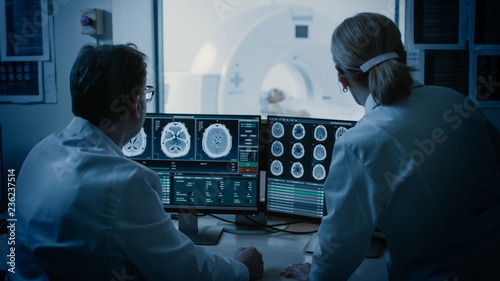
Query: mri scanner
[{"x": 275, "y": 46}]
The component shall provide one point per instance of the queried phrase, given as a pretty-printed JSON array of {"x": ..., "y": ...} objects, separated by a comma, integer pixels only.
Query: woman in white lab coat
[{"x": 423, "y": 165}]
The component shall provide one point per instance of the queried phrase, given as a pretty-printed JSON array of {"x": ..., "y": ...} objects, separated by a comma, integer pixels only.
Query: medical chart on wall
[{"x": 27, "y": 66}]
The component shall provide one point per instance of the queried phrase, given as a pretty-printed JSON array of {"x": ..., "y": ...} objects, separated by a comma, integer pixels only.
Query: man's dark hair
[{"x": 104, "y": 79}]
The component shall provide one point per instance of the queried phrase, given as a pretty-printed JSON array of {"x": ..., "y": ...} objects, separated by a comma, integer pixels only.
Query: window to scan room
[{"x": 226, "y": 56}]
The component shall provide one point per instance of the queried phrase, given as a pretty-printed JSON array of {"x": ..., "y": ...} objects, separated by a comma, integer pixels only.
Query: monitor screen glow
[
  {"x": 206, "y": 163},
  {"x": 299, "y": 156}
]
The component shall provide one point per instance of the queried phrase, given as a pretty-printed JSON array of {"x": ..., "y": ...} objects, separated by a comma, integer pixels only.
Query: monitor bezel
[
  {"x": 290, "y": 215},
  {"x": 208, "y": 209}
]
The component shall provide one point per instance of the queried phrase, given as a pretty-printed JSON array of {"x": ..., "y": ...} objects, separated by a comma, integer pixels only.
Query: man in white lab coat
[
  {"x": 423, "y": 165},
  {"x": 85, "y": 212}
]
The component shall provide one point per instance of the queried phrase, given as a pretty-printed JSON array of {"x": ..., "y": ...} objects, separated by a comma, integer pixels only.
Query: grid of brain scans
[{"x": 299, "y": 156}]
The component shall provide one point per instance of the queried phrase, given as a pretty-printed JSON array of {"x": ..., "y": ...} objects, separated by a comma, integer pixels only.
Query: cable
[
  {"x": 273, "y": 227},
  {"x": 259, "y": 224},
  {"x": 282, "y": 230}
]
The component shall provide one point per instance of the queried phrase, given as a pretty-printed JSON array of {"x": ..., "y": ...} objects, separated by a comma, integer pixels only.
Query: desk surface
[{"x": 281, "y": 249}]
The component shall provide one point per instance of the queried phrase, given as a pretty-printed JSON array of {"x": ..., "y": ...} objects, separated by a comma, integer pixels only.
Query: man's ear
[{"x": 137, "y": 108}]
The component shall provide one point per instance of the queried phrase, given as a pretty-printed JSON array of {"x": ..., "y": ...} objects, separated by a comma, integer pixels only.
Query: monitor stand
[
  {"x": 199, "y": 234},
  {"x": 243, "y": 225}
]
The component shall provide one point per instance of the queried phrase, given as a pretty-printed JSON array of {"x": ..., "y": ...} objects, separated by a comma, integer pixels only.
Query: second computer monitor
[{"x": 299, "y": 156}]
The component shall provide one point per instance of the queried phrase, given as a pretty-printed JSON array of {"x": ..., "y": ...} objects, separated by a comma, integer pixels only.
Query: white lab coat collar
[
  {"x": 371, "y": 103},
  {"x": 94, "y": 135}
]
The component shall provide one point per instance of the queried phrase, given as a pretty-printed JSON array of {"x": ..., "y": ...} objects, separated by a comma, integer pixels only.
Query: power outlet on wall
[{"x": 91, "y": 21}]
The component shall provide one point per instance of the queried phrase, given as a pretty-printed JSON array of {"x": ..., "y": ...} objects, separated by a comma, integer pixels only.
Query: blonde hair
[{"x": 363, "y": 37}]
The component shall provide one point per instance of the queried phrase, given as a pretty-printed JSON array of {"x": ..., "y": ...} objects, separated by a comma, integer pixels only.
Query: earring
[{"x": 345, "y": 90}]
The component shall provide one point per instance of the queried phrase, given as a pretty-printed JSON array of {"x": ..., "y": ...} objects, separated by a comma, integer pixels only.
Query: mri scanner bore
[{"x": 271, "y": 60}]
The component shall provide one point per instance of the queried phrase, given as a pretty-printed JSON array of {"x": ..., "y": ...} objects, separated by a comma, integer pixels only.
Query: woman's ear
[
  {"x": 342, "y": 78},
  {"x": 340, "y": 71}
]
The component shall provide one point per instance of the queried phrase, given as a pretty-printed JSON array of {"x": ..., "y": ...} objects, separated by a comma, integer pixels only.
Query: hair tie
[{"x": 378, "y": 60}]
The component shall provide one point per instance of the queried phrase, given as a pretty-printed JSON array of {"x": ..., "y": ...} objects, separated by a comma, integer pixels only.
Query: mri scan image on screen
[
  {"x": 175, "y": 140},
  {"x": 140, "y": 146},
  {"x": 300, "y": 152},
  {"x": 215, "y": 137}
]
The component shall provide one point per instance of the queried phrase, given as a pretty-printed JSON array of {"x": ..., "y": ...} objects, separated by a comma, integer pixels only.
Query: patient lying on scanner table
[{"x": 276, "y": 102}]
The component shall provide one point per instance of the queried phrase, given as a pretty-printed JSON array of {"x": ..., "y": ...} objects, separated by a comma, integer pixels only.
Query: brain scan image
[
  {"x": 175, "y": 140},
  {"x": 136, "y": 145},
  {"x": 278, "y": 130},
  {"x": 320, "y": 133},
  {"x": 297, "y": 170},
  {"x": 277, "y": 148},
  {"x": 319, "y": 172},
  {"x": 217, "y": 141},
  {"x": 319, "y": 152},
  {"x": 340, "y": 131},
  {"x": 298, "y": 150},
  {"x": 276, "y": 168},
  {"x": 298, "y": 131}
]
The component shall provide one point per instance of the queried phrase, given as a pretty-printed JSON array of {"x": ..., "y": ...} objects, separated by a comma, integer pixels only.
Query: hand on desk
[
  {"x": 252, "y": 259},
  {"x": 298, "y": 271}
]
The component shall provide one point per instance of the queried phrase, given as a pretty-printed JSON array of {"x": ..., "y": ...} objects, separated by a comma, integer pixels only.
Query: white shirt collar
[{"x": 94, "y": 135}]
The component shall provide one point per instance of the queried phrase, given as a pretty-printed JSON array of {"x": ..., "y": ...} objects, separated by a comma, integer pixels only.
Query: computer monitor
[
  {"x": 299, "y": 156},
  {"x": 207, "y": 163}
]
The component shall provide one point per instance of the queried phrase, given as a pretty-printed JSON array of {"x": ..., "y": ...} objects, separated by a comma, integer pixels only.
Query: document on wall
[
  {"x": 24, "y": 30},
  {"x": 27, "y": 65}
]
